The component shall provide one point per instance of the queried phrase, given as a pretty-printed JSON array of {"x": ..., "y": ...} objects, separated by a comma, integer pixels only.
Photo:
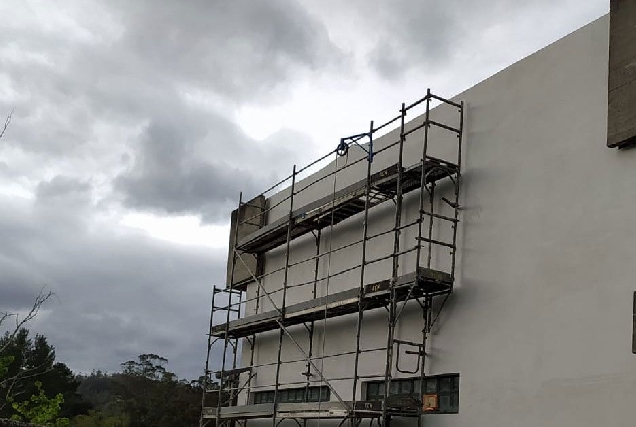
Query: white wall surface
[{"x": 539, "y": 326}]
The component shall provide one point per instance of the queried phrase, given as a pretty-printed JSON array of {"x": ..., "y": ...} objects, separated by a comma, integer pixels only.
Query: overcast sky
[{"x": 137, "y": 122}]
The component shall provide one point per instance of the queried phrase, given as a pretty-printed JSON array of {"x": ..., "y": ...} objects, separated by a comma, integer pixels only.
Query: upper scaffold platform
[
  {"x": 427, "y": 282},
  {"x": 345, "y": 203}
]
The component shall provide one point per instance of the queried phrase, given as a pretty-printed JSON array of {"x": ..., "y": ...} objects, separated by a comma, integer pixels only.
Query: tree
[
  {"x": 37, "y": 358},
  {"x": 143, "y": 394},
  {"x": 11, "y": 370},
  {"x": 40, "y": 409},
  {"x": 153, "y": 396},
  {"x": 33, "y": 384}
]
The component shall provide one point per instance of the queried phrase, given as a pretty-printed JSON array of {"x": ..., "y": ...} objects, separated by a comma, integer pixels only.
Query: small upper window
[{"x": 289, "y": 395}]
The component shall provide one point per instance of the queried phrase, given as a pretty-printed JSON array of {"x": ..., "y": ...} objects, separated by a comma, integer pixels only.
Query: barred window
[
  {"x": 446, "y": 387},
  {"x": 290, "y": 395}
]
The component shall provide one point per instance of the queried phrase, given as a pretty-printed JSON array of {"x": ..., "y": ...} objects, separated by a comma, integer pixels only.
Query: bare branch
[
  {"x": 6, "y": 123},
  {"x": 24, "y": 375},
  {"x": 25, "y": 372},
  {"x": 20, "y": 322}
]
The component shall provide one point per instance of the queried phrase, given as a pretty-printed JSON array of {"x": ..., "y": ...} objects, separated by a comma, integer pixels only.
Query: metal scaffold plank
[
  {"x": 376, "y": 295},
  {"x": 345, "y": 203}
]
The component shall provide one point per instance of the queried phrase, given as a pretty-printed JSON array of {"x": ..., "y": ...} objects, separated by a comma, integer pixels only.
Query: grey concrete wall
[{"x": 540, "y": 324}]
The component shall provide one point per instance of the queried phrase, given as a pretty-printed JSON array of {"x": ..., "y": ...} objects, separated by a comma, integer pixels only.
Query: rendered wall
[{"x": 540, "y": 324}]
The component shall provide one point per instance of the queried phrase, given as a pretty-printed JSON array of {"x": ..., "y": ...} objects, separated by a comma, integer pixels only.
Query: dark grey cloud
[
  {"x": 116, "y": 294},
  {"x": 197, "y": 164},
  {"x": 436, "y": 36},
  {"x": 242, "y": 49},
  {"x": 62, "y": 187},
  {"x": 115, "y": 104},
  {"x": 413, "y": 31},
  {"x": 123, "y": 106},
  {"x": 69, "y": 92}
]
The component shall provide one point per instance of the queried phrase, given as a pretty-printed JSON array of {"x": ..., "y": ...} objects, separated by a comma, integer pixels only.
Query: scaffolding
[{"x": 237, "y": 328}]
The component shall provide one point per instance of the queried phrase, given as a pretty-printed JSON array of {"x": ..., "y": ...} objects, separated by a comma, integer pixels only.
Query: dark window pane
[
  {"x": 444, "y": 402},
  {"x": 456, "y": 383},
  {"x": 454, "y": 405},
  {"x": 381, "y": 389},
  {"x": 444, "y": 384},
  {"x": 324, "y": 394},
  {"x": 416, "y": 386},
  {"x": 431, "y": 385},
  {"x": 406, "y": 387},
  {"x": 314, "y": 394},
  {"x": 395, "y": 388},
  {"x": 372, "y": 390}
]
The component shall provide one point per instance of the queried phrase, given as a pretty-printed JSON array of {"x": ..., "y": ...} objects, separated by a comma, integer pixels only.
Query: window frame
[
  {"x": 374, "y": 390},
  {"x": 293, "y": 395}
]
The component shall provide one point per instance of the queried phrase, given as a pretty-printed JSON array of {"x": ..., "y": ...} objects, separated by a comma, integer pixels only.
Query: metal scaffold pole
[
  {"x": 394, "y": 271},
  {"x": 206, "y": 372},
  {"x": 284, "y": 301},
  {"x": 220, "y": 398},
  {"x": 458, "y": 179},
  {"x": 252, "y": 342},
  {"x": 365, "y": 232},
  {"x": 312, "y": 325}
]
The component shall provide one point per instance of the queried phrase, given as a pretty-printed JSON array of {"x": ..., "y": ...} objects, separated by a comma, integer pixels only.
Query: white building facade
[{"x": 517, "y": 308}]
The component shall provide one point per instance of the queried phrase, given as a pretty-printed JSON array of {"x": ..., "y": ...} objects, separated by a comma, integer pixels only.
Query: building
[{"x": 478, "y": 246}]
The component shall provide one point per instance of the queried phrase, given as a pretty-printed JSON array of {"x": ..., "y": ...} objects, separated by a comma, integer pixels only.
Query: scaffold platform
[
  {"x": 349, "y": 201},
  {"x": 427, "y": 282}
]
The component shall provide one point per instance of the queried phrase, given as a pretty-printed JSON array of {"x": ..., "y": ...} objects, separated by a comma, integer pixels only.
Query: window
[
  {"x": 446, "y": 387},
  {"x": 290, "y": 395}
]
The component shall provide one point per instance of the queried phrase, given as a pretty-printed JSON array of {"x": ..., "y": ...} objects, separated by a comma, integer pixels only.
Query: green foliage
[
  {"x": 144, "y": 394},
  {"x": 5, "y": 362},
  {"x": 149, "y": 366},
  {"x": 22, "y": 361},
  {"x": 40, "y": 409},
  {"x": 99, "y": 419}
]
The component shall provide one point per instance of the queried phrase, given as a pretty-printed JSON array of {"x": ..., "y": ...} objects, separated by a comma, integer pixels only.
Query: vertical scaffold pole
[
  {"x": 365, "y": 231},
  {"x": 458, "y": 178},
  {"x": 425, "y": 305},
  {"x": 235, "y": 393},
  {"x": 395, "y": 271},
  {"x": 229, "y": 310},
  {"x": 431, "y": 205},
  {"x": 284, "y": 302},
  {"x": 253, "y": 345},
  {"x": 423, "y": 184},
  {"x": 253, "y": 340},
  {"x": 311, "y": 328},
  {"x": 207, "y": 359},
  {"x": 426, "y": 313}
]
